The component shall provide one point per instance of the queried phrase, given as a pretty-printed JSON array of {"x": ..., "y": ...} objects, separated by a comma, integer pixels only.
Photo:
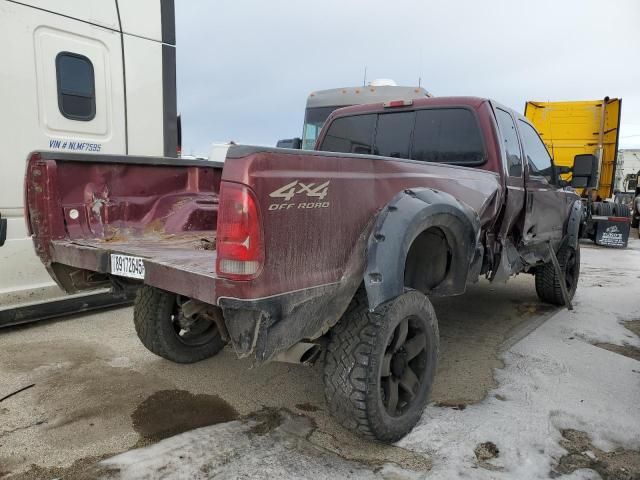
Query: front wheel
[
  {"x": 548, "y": 281},
  {"x": 164, "y": 330},
  {"x": 380, "y": 365}
]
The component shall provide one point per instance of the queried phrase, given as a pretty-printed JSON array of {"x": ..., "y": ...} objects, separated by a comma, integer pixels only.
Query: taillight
[{"x": 239, "y": 244}]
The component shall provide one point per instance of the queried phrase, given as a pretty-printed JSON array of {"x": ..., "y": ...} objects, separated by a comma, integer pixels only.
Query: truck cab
[{"x": 457, "y": 131}]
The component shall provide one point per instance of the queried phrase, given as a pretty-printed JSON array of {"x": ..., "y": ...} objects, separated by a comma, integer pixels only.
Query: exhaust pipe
[{"x": 301, "y": 353}]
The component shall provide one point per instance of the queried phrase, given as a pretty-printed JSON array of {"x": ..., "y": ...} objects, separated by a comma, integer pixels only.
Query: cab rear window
[
  {"x": 447, "y": 135},
  {"x": 444, "y": 135},
  {"x": 351, "y": 135}
]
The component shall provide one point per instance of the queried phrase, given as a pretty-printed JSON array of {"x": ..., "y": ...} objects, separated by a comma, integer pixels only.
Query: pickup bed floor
[{"x": 183, "y": 263}]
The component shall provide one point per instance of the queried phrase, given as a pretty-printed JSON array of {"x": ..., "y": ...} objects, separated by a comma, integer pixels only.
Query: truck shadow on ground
[{"x": 152, "y": 399}]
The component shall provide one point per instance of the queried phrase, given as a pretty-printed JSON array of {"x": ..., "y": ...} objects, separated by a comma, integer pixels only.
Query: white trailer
[{"x": 92, "y": 76}]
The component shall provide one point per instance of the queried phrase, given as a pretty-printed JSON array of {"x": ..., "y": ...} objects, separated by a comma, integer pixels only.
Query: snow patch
[{"x": 554, "y": 379}]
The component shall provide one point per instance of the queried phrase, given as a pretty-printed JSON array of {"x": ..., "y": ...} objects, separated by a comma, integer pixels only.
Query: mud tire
[
  {"x": 153, "y": 315},
  {"x": 547, "y": 281},
  {"x": 355, "y": 364}
]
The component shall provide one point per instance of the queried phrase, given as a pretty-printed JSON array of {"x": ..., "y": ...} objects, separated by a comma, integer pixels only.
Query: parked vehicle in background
[
  {"x": 282, "y": 252},
  {"x": 88, "y": 76},
  {"x": 571, "y": 128},
  {"x": 628, "y": 167},
  {"x": 321, "y": 103}
]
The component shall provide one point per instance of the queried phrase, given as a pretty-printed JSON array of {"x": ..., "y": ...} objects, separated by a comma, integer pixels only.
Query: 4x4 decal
[{"x": 290, "y": 190}]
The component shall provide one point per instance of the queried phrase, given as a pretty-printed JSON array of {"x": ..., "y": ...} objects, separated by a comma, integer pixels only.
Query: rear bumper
[{"x": 265, "y": 327}]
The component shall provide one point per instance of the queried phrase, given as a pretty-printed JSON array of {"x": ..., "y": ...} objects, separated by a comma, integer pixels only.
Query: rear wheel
[
  {"x": 548, "y": 281},
  {"x": 165, "y": 331},
  {"x": 380, "y": 365}
]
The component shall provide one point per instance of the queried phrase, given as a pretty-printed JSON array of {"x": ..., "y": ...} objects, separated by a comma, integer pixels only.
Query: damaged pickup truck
[{"x": 333, "y": 253}]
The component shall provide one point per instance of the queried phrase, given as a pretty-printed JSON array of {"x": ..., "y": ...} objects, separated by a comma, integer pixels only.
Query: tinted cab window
[
  {"x": 393, "y": 134},
  {"x": 351, "y": 134},
  {"x": 535, "y": 152},
  {"x": 447, "y": 135}
]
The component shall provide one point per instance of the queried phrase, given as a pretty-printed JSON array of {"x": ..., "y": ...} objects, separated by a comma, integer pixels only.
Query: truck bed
[{"x": 82, "y": 209}]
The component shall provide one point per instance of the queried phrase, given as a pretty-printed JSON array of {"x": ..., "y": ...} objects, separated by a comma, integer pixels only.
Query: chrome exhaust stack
[{"x": 302, "y": 353}]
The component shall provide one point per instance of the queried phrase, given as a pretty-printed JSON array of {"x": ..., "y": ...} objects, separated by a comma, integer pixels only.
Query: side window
[
  {"x": 393, "y": 134},
  {"x": 447, "y": 135},
  {"x": 76, "y": 86},
  {"x": 510, "y": 143},
  {"x": 535, "y": 152},
  {"x": 350, "y": 135}
]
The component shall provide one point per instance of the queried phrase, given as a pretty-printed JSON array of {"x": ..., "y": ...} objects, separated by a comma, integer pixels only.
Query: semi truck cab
[{"x": 80, "y": 76}]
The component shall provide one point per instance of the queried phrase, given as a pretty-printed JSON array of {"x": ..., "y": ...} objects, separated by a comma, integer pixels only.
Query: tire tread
[{"x": 348, "y": 360}]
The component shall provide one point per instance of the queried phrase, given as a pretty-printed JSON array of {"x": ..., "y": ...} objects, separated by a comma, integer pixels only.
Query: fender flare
[
  {"x": 574, "y": 222},
  {"x": 406, "y": 216}
]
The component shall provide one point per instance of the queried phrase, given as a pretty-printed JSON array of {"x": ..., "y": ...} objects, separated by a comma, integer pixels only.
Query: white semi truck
[{"x": 92, "y": 76}]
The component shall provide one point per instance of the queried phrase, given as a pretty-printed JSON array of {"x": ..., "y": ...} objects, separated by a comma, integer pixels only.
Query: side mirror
[
  {"x": 585, "y": 171},
  {"x": 295, "y": 143}
]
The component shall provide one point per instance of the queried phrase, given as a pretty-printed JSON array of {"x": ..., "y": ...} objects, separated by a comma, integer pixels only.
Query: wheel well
[{"x": 428, "y": 260}]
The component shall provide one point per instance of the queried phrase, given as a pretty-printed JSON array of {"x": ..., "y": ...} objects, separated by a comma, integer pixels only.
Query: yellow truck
[
  {"x": 571, "y": 128},
  {"x": 589, "y": 127}
]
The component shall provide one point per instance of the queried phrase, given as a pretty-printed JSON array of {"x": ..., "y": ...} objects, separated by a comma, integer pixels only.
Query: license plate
[{"x": 127, "y": 266}]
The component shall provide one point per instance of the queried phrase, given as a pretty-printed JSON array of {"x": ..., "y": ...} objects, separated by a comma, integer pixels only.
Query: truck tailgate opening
[{"x": 90, "y": 214}]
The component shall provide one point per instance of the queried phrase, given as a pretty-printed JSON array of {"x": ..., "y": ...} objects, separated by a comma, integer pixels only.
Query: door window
[
  {"x": 536, "y": 153},
  {"x": 76, "y": 86},
  {"x": 510, "y": 143},
  {"x": 447, "y": 135},
  {"x": 350, "y": 135},
  {"x": 393, "y": 134}
]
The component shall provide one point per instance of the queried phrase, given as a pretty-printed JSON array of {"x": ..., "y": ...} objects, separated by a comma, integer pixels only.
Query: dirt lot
[{"x": 97, "y": 392}]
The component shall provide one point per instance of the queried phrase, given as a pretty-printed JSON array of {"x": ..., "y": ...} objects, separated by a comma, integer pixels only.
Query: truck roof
[
  {"x": 473, "y": 102},
  {"x": 366, "y": 94}
]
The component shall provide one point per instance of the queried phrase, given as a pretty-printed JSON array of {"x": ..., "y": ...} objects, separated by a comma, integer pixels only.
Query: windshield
[{"x": 314, "y": 118}]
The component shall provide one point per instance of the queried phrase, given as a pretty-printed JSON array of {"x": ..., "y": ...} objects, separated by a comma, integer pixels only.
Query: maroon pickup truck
[{"x": 334, "y": 253}]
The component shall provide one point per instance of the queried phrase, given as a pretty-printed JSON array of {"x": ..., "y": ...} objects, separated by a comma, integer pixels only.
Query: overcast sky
[{"x": 245, "y": 68}]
